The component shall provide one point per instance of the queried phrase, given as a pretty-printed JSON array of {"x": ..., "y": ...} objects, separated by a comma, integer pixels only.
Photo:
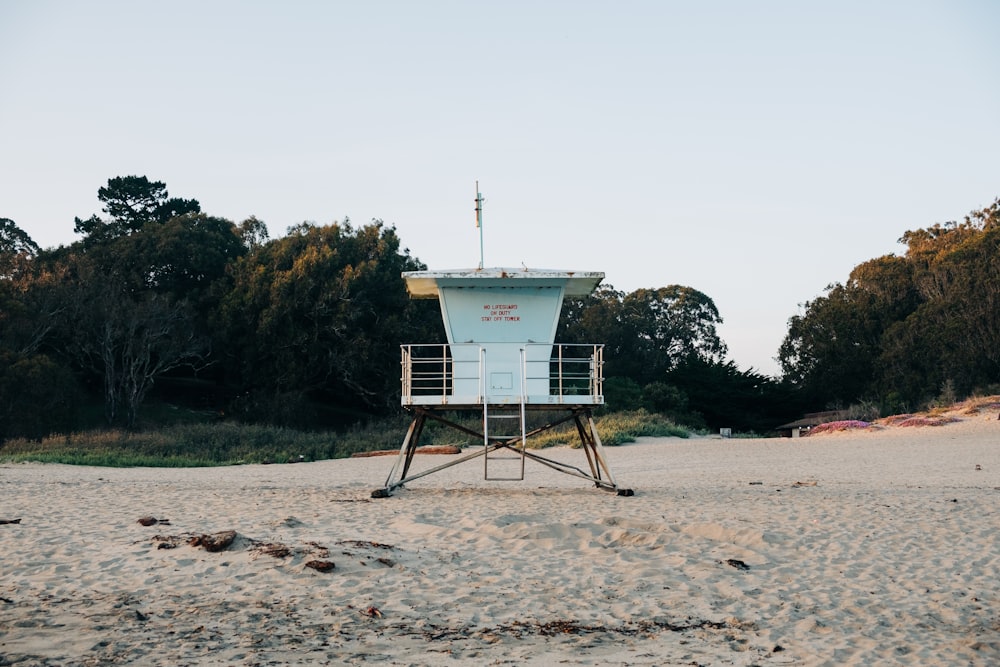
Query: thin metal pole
[
  {"x": 524, "y": 391},
  {"x": 479, "y": 222},
  {"x": 444, "y": 371},
  {"x": 486, "y": 407},
  {"x": 561, "y": 371}
]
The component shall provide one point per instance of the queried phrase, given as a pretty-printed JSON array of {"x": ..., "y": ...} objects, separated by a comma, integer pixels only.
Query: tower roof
[{"x": 426, "y": 284}]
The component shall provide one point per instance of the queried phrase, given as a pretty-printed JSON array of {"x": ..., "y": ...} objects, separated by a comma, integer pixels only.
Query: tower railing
[{"x": 454, "y": 374}]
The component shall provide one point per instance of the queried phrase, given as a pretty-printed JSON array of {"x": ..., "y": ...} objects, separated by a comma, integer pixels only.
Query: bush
[
  {"x": 223, "y": 443},
  {"x": 37, "y": 397},
  {"x": 614, "y": 428},
  {"x": 622, "y": 393}
]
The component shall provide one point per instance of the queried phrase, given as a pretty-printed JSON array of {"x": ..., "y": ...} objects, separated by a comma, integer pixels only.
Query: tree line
[
  {"x": 903, "y": 330},
  {"x": 296, "y": 331},
  {"x": 159, "y": 297}
]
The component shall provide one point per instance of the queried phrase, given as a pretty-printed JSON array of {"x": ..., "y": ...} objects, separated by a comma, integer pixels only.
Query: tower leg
[
  {"x": 587, "y": 442},
  {"x": 596, "y": 457},
  {"x": 405, "y": 458}
]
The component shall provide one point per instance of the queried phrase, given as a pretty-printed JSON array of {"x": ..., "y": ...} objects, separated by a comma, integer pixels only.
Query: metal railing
[
  {"x": 575, "y": 370},
  {"x": 550, "y": 373}
]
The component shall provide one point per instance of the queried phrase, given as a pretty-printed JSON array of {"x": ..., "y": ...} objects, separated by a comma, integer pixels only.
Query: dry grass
[
  {"x": 928, "y": 421},
  {"x": 978, "y": 405}
]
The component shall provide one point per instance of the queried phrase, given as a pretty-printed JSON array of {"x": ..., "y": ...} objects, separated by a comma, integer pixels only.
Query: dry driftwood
[
  {"x": 215, "y": 541},
  {"x": 321, "y": 565},
  {"x": 153, "y": 521},
  {"x": 429, "y": 449}
]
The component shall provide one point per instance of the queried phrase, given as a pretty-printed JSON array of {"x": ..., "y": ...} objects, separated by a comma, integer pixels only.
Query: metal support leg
[
  {"x": 405, "y": 458},
  {"x": 586, "y": 439},
  {"x": 598, "y": 460}
]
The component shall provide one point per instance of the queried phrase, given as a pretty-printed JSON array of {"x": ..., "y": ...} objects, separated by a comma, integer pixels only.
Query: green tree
[
  {"x": 37, "y": 396},
  {"x": 127, "y": 338},
  {"x": 832, "y": 351},
  {"x": 903, "y": 327},
  {"x": 671, "y": 401},
  {"x": 253, "y": 233},
  {"x": 719, "y": 394},
  {"x": 666, "y": 326},
  {"x": 316, "y": 318},
  {"x": 142, "y": 286},
  {"x": 646, "y": 332},
  {"x": 30, "y": 303},
  {"x": 953, "y": 336},
  {"x": 182, "y": 256},
  {"x": 663, "y": 352},
  {"x": 596, "y": 319},
  {"x": 16, "y": 247},
  {"x": 826, "y": 352},
  {"x": 16, "y": 250},
  {"x": 132, "y": 202}
]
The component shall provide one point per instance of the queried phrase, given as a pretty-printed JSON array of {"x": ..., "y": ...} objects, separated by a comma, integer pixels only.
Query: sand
[{"x": 852, "y": 548}]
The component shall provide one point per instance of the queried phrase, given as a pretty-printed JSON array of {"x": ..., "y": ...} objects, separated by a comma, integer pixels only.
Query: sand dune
[{"x": 886, "y": 552}]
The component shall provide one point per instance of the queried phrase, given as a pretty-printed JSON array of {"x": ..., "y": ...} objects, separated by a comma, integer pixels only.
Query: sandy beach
[{"x": 848, "y": 548}]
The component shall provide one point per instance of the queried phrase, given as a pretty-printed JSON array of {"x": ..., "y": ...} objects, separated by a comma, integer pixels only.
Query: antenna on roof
[{"x": 479, "y": 222}]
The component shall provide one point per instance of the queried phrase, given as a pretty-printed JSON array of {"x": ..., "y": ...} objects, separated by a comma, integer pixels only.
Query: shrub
[
  {"x": 37, "y": 396},
  {"x": 622, "y": 393},
  {"x": 843, "y": 425}
]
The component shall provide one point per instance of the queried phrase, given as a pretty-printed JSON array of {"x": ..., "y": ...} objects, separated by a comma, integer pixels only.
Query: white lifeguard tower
[{"x": 501, "y": 361}]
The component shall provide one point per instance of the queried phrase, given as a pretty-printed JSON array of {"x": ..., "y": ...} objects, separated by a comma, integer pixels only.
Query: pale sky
[{"x": 755, "y": 151}]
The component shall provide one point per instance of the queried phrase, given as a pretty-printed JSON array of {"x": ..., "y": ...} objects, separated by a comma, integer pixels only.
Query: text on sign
[{"x": 500, "y": 312}]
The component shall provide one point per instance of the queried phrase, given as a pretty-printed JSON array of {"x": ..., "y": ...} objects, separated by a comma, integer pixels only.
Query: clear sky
[{"x": 756, "y": 151}]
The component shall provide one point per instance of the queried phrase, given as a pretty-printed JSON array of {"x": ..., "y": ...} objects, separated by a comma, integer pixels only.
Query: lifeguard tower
[{"x": 501, "y": 362}]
